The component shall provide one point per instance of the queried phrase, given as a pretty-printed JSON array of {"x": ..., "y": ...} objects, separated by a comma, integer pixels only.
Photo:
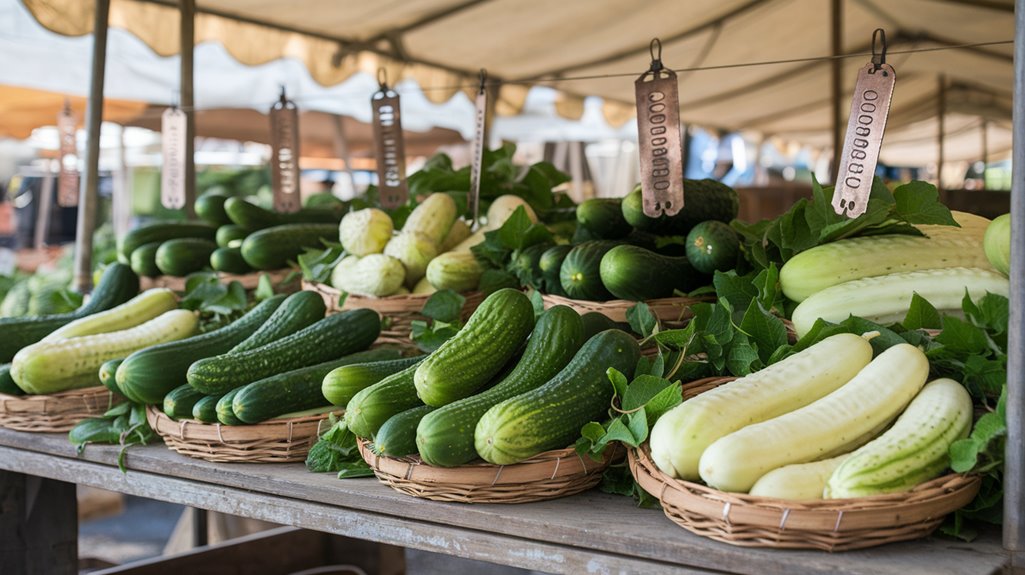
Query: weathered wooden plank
[{"x": 38, "y": 526}]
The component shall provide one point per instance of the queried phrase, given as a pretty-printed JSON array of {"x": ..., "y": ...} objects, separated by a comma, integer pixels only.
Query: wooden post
[
  {"x": 836, "y": 70},
  {"x": 86, "y": 222},
  {"x": 1014, "y": 466},
  {"x": 342, "y": 150},
  {"x": 188, "y": 42},
  {"x": 38, "y": 526},
  {"x": 941, "y": 102},
  {"x": 121, "y": 199},
  {"x": 985, "y": 151},
  {"x": 43, "y": 209}
]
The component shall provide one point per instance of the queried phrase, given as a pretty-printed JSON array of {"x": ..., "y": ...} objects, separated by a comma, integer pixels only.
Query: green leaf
[
  {"x": 538, "y": 302},
  {"x": 922, "y": 315},
  {"x": 493, "y": 280},
  {"x": 663, "y": 401},
  {"x": 264, "y": 288},
  {"x": 964, "y": 453},
  {"x": 677, "y": 339},
  {"x": 742, "y": 358},
  {"x": 618, "y": 380},
  {"x": 354, "y": 469},
  {"x": 317, "y": 265},
  {"x": 764, "y": 330},
  {"x": 960, "y": 335},
  {"x": 641, "y": 320},
  {"x": 429, "y": 338},
  {"x": 642, "y": 390},
  {"x": 444, "y": 305},
  {"x": 918, "y": 202},
  {"x": 637, "y": 423},
  {"x": 738, "y": 290}
]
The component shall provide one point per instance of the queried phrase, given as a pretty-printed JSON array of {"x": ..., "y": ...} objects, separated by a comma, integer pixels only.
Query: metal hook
[
  {"x": 382, "y": 78},
  {"x": 483, "y": 80},
  {"x": 878, "y": 56},
  {"x": 283, "y": 99},
  {"x": 656, "y": 59}
]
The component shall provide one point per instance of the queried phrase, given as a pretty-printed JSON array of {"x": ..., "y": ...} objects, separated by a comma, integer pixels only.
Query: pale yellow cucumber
[
  {"x": 798, "y": 481},
  {"x": 140, "y": 309}
]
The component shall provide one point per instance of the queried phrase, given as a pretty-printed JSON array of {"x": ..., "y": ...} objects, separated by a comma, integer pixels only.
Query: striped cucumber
[
  {"x": 178, "y": 403},
  {"x": 205, "y": 410},
  {"x": 107, "y": 374},
  {"x": 550, "y": 416},
  {"x": 467, "y": 361},
  {"x": 273, "y": 248},
  {"x": 445, "y": 437},
  {"x": 231, "y": 236},
  {"x": 144, "y": 260},
  {"x": 140, "y": 309},
  {"x": 367, "y": 411},
  {"x": 299, "y": 310},
  {"x": 223, "y": 408},
  {"x": 229, "y": 261},
  {"x": 397, "y": 437},
  {"x": 341, "y": 384},
  {"x": 183, "y": 256},
  {"x": 162, "y": 232}
]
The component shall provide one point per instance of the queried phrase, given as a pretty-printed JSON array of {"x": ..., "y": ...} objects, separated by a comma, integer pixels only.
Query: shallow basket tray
[
  {"x": 273, "y": 441},
  {"x": 548, "y": 475},
  {"x": 249, "y": 281},
  {"x": 671, "y": 311},
  {"x": 828, "y": 524},
  {"x": 397, "y": 312},
  {"x": 55, "y": 413}
]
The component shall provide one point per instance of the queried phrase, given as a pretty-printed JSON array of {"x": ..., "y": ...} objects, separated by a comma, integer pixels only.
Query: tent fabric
[{"x": 24, "y": 109}]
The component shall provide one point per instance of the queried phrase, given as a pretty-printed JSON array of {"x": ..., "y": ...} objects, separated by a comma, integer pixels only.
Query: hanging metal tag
[
  {"x": 172, "y": 178},
  {"x": 284, "y": 143},
  {"x": 391, "y": 149},
  {"x": 658, "y": 134},
  {"x": 480, "y": 133},
  {"x": 869, "y": 109},
  {"x": 68, "y": 176}
]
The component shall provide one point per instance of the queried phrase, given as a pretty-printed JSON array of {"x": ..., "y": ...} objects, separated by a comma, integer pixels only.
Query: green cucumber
[
  {"x": 526, "y": 264},
  {"x": 713, "y": 246},
  {"x": 231, "y": 236},
  {"x": 229, "y": 260},
  {"x": 144, "y": 260},
  {"x": 178, "y": 402},
  {"x": 296, "y": 390},
  {"x": 367, "y": 411},
  {"x": 397, "y": 437},
  {"x": 252, "y": 217},
  {"x": 273, "y": 248},
  {"x": 148, "y": 375},
  {"x": 603, "y": 217},
  {"x": 550, "y": 265},
  {"x": 210, "y": 208},
  {"x": 596, "y": 322},
  {"x": 94, "y": 430},
  {"x": 7, "y": 384},
  {"x": 580, "y": 274},
  {"x": 298, "y": 311},
  {"x": 330, "y": 338},
  {"x": 223, "y": 408},
  {"x": 705, "y": 200},
  {"x": 445, "y": 437},
  {"x": 634, "y": 273},
  {"x": 183, "y": 256},
  {"x": 107, "y": 374},
  {"x": 205, "y": 409},
  {"x": 469, "y": 359},
  {"x": 341, "y": 384},
  {"x": 550, "y": 416},
  {"x": 162, "y": 232}
]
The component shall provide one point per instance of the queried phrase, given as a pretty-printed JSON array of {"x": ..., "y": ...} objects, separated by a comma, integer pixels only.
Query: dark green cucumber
[
  {"x": 397, "y": 437},
  {"x": 296, "y": 390},
  {"x": 550, "y": 416},
  {"x": 224, "y": 413},
  {"x": 147, "y": 375},
  {"x": 210, "y": 208},
  {"x": 7, "y": 384},
  {"x": 178, "y": 402},
  {"x": 144, "y": 260},
  {"x": 117, "y": 285},
  {"x": 580, "y": 274},
  {"x": 272, "y": 248},
  {"x": 550, "y": 264},
  {"x": 637, "y": 274},
  {"x": 107, "y": 374},
  {"x": 340, "y": 385},
  {"x": 705, "y": 200},
  {"x": 231, "y": 236},
  {"x": 205, "y": 409},
  {"x": 325, "y": 201},
  {"x": 183, "y": 256},
  {"x": 367, "y": 411},
  {"x": 162, "y": 232},
  {"x": 713, "y": 246},
  {"x": 526, "y": 264},
  {"x": 330, "y": 338},
  {"x": 603, "y": 217},
  {"x": 469, "y": 359},
  {"x": 298, "y": 311},
  {"x": 94, "y": 430},
  {"x": 445, "y": 437},
  {"x": 229, "y": 260},
  {"x": 253, "y": 217}
]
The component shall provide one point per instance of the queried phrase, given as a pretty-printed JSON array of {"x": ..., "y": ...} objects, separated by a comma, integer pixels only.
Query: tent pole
[
  {"x": 836, "y": 36},
  {"x": 985, "y": 150},
  {"x": 188, "y": 43},
  {"x": 941, "y": 91},
  {"x": 43, "y": 208},
  {"x": 121, "y": 199},
  {"x": 86, "y": 221},
  {"x": 1014, "y": 467}
]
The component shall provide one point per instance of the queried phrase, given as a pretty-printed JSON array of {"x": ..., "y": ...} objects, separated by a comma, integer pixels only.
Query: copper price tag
[
  {"x": 480, "y": 133},
  {"x": 68, "y": 176},
  {"x": 172, "y": 177},
  {"x": 869, "y": 109},
  {"x": 391, "y": 150},
  {"x": 659, "y": 137},
  {"x": 284, "y": 142}
]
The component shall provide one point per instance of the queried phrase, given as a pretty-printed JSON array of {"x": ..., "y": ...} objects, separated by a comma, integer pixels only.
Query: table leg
[{"x": 38, "y": 526}]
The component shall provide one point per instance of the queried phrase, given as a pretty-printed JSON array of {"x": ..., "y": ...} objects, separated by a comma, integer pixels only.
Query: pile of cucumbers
[
  {"x": 232, "y": 235},
  {"x": 620, "y": 253},
  {"x": 505, "y": 388}
]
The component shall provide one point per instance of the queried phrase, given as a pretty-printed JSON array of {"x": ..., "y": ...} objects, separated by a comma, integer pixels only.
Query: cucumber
[
  {"x": 231, "y": 236},
  {"x": 296, "y": 390},
  {"x": 397, "y": 437},
  {"x": 341, "y": 384},
  {"x": 162, "y": 232},
  {"x": 210, "y": 208},
  {"x": 705, "y": 200},
  {"x": 298, "y": 311},
  {"x": 184, "y": 256},
  {"x": 799, "y": 482},
  {"x": 94, "y": 430},
  {"x": 178, "y": 402},
  {"x": 325, "y": 201},
  {"x": 637, "y": 274},
  {"x": 445, "y": 437},
  {"x": 117, "y": 285},
  {"x": 580, "y": 274},
  {"x": 997, "y": 244},
  {"x": 149, "y": 374},
  {"x": 525, "y": 264},
  {"x": 550, "y": 416},
  {"x": 205, "y": 409},
  {"x": 272, "y": 248},
  {"x": 550, "y": 264},
  {"x": 367, "y": 411},
  {"x": 142, "y": 308},
  {"x": 469, "y": 359},
  {"x": 713, "y": 246},
  {"x": 603, "y": 217},
  {"x": 223, "y": 408},
  {"x": 252, "y": 217},
  {"x": 329, "y": 338},
  {"x": 144, "y": 260},
  {"x": 107, "y": 371},
  {"x": 7, "y": 384},
  {"x": 229, "y": 260}
]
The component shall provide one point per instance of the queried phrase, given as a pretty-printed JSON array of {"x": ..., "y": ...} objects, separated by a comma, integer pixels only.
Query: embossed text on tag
[
  {"x": 172, "y": 175},
  {"x": 391, "y": 149},
  {"x": 68, "y": 176},
  {"x": 284, "y": 125}
]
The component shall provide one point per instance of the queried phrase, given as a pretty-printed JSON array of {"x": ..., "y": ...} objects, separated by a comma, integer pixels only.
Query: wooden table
[{"x": 587, "y": 533}]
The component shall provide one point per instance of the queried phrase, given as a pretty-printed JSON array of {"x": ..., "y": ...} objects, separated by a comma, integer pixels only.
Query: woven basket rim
[
  {"x": 408, "y": 297},
  {"x": 191, "y": 430},
  {"x": 677, "y": 301},
  {"x": 70, "y": 400},
  {"x": 249, "y": 281}
]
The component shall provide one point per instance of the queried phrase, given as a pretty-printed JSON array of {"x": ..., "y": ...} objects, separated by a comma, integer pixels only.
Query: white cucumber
[
  {"x": 876, "y": 395},
  {"x": 799, "y": 481},
  {"x": 140, "y": 309},
  {"x": 681, "y": 435}
]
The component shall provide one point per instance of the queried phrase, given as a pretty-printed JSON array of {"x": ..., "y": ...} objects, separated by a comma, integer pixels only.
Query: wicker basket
[
  {"x": 548, "y": 475},
  {"x": 829, "y": 524},
  {"x": 55, "y": 413},
  {"x": 672, "y": 312},
  {"x": 274, "y": 441},
  {"x": 249, "y": 281},
  {"x": 397, "y": 312}
]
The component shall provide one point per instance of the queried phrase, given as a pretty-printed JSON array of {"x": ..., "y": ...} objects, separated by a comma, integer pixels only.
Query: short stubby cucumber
[
  {"x": 342, "y": 384},
  {"x": 7, "y": 385},
  {"x": 138, "y": 310},
  {"x": 397, "y": 437},
  {"x": 179, "y": 402},
  {"x": 224, "y": 413},
  {"x": 107, "y": 374},
  {"x": 798, "y": 481},
  {"x": 467, "y": 361},
  {"x": 916, "y": 449},
  {"x": 367, "y": 411},
  {"x": 205, "y": 410}
]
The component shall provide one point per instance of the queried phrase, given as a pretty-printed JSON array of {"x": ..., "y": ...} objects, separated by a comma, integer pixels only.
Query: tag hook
[
  {"x": 655, "y": 49},
  {"x": 483, "y": 80},
  {"x": 382, "y": 79},
  {"x": 282, "y": 99},
  {"x": 878, "y": 41}
]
